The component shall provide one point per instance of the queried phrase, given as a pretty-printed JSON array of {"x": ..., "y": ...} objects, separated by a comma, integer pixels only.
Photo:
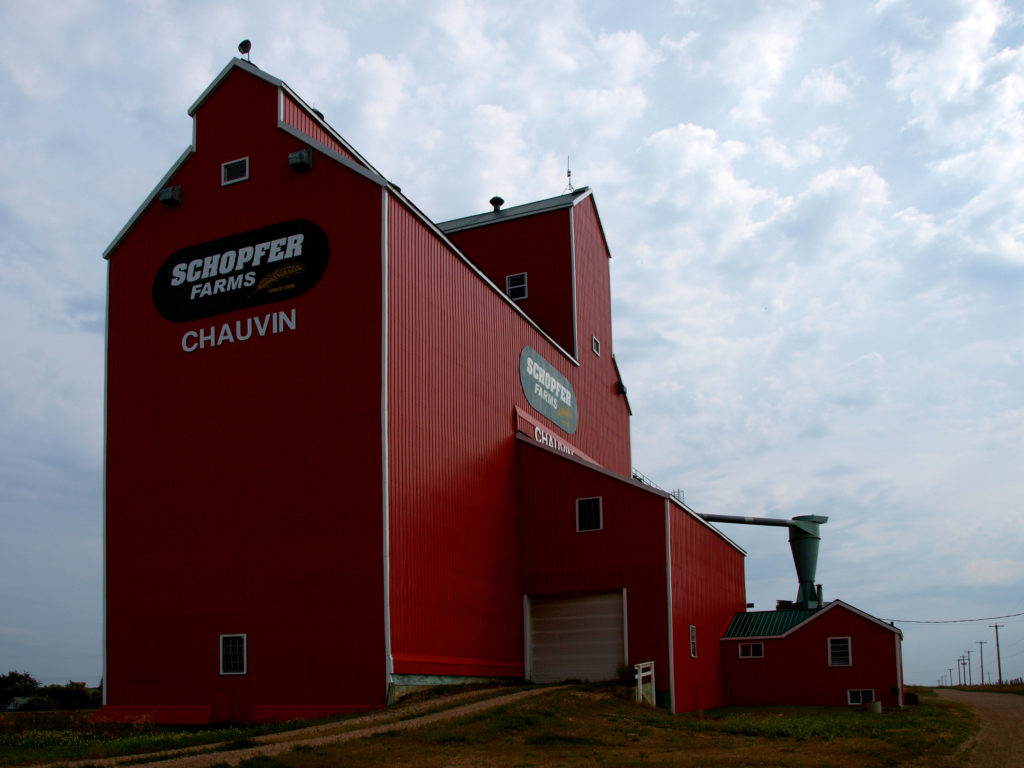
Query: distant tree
[
  {"x": 71, "y": 696},
  {"x": 17, "y": 684}
]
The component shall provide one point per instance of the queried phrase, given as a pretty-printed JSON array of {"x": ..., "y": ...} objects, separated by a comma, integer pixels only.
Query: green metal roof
[{"x": 767, "y": 623}]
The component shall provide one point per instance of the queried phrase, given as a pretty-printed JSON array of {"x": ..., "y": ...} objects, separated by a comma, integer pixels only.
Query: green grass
[
  {"x": 1014, "y": 689},
  {"x": 584, "y": 726},
  {"x": 80, "y": 739}
]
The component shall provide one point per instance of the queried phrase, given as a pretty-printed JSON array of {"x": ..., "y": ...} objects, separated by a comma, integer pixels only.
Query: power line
[{"x": 953, "y": 621}]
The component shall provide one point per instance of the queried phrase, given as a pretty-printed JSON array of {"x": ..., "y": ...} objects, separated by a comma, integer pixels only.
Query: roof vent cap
[{"x": 497, "y": 202}]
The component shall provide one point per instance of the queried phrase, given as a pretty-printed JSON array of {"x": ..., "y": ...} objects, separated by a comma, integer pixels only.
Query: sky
[{"x": 817, "y": 228}]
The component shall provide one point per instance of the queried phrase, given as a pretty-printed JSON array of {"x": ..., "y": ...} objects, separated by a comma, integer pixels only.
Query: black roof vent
[{"x": 497, "y": 202}]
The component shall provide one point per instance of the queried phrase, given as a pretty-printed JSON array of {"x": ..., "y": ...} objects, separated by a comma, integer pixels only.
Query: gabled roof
[
  {"x": 568, "y": 200},
  {"x": 767, "y": 623},
  {"x": 314, "y": 115},
  {"x": 779, "y": 623},
  {"x": 360, "y": 164}
]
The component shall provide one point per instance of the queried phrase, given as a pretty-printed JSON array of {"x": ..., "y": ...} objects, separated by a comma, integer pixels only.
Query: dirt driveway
[
  {"x": 402, "y": 717},
  {"x": 1000, "y": 742}
]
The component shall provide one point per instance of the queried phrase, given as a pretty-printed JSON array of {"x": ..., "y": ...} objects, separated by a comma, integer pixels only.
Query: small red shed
[{"x": 832, "y": 656}]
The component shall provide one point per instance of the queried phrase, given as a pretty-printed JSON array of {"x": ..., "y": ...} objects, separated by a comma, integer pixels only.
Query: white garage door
[{"x": 576, "y": 638}]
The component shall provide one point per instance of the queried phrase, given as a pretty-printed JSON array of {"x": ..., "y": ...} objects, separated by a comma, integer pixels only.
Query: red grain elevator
[{"x": 341, "y": 437}]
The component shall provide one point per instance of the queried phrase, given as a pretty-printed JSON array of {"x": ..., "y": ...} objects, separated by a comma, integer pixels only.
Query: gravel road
[{"x": 1000, "y": 742}]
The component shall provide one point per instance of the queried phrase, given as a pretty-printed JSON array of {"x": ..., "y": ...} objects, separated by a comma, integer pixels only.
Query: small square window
[
  {"x": 693, "y": 641},
  {"x": 839, "y": 652},
  {"x": 515, "y": 286},
  {"x": 751, "y": 650},
  {"x": 232, "y": 655},
  {"x": 588, "y": 514},
  {"x": 595, "y": 345},
  {"x": 234, "y": 172},
  {"x": 861, "y": 696}
]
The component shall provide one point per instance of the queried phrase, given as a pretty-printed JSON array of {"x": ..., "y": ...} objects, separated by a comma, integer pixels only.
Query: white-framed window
[
  {"x": 751, "y": 650},
  {"x": 839, "y": 652},
  {"x": 859, "y": 696},
  {"x": 693, "y": 641},
  {"x": 595, "y": 345},
  {"x": 515, "y": 286},
  {"x": 233, "y": 655},
  {"x": 589, "y": 515},
  {"x": 234, "y": 171}
]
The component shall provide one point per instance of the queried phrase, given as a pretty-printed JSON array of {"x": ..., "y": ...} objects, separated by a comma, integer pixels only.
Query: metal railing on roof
[{"x": 677, "y": 493}]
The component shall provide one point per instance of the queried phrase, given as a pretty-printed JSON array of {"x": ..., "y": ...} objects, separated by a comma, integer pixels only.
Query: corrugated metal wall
[
  {"x": 539, "y": 245},
  {"x": 297, "y": 117},
  {"x": 243, "y": 481},
  {"x": 628, "y": 552},
  {"x": 707, "y": 589},
  {"x": 594, "y": 307},
  {"x": 453, "y": 349}
]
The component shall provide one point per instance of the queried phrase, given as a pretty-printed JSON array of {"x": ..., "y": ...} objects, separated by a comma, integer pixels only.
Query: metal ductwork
[{"x": 804, "y": 538}]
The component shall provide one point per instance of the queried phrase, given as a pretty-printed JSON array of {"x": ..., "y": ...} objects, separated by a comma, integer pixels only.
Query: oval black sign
[{"x": 269, "y": 264}]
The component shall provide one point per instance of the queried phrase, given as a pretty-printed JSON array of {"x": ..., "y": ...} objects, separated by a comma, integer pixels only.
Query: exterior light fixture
[
  {"x": 301, "y": 159},
  {"x": 170, "y": 196}
]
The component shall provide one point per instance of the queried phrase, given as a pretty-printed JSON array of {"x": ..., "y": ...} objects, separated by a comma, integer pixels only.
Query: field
[{"x": 577, "y": 726}]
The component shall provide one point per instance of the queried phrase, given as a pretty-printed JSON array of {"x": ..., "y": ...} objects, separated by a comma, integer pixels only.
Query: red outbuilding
[{"x": 835, "y": 655}]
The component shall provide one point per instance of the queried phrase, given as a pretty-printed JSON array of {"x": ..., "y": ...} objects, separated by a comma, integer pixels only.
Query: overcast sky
[{"x": 816, "y": 217}]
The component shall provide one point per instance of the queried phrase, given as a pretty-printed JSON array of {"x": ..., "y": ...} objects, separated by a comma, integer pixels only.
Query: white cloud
[
  {"x": 953, "y": 68},
  {"x": 758, "y": 55},
  {"x": 992, "y": 572},
  {"x": 821, "y": 87},
  {"x": 627, "y": 56},
  {"x": 801, "y": 153},
  {"x": 607, "y": 112}
]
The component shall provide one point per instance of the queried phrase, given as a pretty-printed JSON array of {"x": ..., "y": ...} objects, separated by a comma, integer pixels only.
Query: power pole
[
  {"x": 981, "y": 656},
  {"x": 969, "y": 680},
  {"x": 950, "y": 675},
  {"x": 959, "y": 670},
  {"x": 999, "y": 659}
]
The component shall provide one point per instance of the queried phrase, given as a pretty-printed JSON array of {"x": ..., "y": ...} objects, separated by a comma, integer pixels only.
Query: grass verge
[{"x": 596, "y": 725}]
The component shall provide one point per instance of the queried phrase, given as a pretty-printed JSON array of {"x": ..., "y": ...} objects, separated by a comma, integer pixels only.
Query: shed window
[
  {"x": 839, "y": 652},
  {"x": 232, "y": 655},
  {"x": 234, "y": 171},
  {"x": 860, "y": 696},
  {"x": 515, "y": 286},
  {"x": 751, "y": 650},
  {"x": 588, "y": 514},
  {"x": 595, "y": 344},
  {"x": 693, "y": 640}
]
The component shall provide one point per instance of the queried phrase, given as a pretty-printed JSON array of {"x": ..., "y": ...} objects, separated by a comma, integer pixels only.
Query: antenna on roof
[
  {"x": 568, "y": 175},
  {"x": 243, "y": 48}
]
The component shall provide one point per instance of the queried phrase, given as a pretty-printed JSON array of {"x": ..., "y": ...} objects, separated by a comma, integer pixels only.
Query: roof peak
[{"x": 567, "y": 200}]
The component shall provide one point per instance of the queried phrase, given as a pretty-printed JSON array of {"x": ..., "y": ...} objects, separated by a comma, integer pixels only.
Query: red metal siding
[
  {"x": 629, "y": 551},
  {"x": 594, "y": 313},
  {"x": 707, "y": 589},
  {"x": 541, "y": 246},
  {"x": 244, "y": 483},
  {"x": 299, "y": 118},
  {"x": 795, "y": 669},
  {"x": 452, "y": 353},
  {"x": 453, "y": 383}
]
